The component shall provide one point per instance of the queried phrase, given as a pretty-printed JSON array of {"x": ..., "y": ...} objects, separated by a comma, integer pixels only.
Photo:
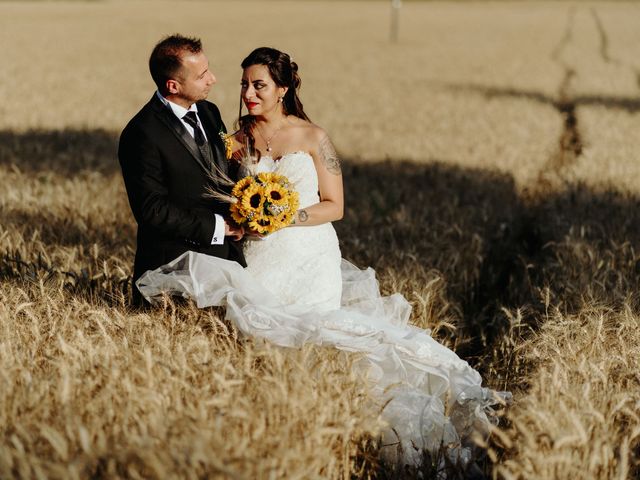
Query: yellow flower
[
  {"x": 242, "y": 185},
  {"x": 294, "y": 201},
  {"x": 285, "y": 218},
  {"x": 263, "y": 225},
  {"x": 295, "y": 198},
  {"x": 265, "y": 202},
  {"x": 227, "y": 139},
  {"x": 276, "y": 193},
  {"x": 236, "y": 213},
  {"x": 269, "y": 177},
  {"x": 253, "y": 199}
]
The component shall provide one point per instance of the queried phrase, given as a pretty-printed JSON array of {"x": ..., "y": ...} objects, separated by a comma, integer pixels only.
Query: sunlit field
[{"x": 492, "y": 170}]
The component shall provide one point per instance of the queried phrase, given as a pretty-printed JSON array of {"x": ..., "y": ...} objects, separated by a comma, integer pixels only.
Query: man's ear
[{"x": 172, "y": 87}]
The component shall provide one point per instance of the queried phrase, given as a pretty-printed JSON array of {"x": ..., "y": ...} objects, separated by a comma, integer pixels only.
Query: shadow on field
[
  {"x": 65, "y": 152},
  {"x": 493, "y": 248},
  {"x": 612, "y": 102},
  {"x": 66, "y": 231},
  {"x": 85, "y": 255}
]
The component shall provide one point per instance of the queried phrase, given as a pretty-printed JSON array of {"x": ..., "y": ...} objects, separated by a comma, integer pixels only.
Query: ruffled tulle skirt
[{"x": 432, "y": 398}]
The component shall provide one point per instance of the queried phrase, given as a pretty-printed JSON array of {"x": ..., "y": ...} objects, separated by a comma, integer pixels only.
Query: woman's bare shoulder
[
  {"x": 319, "y": 145},
  {"x": 308, "y": 131}
]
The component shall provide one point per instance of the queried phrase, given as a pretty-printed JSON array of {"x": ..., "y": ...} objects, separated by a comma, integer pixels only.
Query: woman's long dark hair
[{"x": 284, "y": 73}]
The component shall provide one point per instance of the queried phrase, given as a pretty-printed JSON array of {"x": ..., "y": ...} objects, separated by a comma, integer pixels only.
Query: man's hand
[{"x": 236, "y": 232}]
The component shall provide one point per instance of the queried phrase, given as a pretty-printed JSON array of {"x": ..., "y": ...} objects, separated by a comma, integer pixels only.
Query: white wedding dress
[{"x": 296, "y": 289}]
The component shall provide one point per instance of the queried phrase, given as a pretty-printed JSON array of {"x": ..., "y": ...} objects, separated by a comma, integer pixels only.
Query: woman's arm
[{"x": 331, "y": 205}]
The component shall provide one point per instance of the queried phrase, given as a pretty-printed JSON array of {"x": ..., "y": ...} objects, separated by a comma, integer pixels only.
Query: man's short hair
[{"x": 165, "y": 60}]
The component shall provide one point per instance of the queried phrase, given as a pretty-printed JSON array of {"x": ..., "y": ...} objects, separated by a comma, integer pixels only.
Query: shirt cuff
[{"x": 218, "y": 233}]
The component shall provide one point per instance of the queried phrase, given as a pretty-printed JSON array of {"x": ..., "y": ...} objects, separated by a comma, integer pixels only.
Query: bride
[
  {"x": 296, "y": 289},
  {"x": 279, "y": 131}
]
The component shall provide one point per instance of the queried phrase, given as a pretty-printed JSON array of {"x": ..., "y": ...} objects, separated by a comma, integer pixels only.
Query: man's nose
[{"x": 213, "y": 79}]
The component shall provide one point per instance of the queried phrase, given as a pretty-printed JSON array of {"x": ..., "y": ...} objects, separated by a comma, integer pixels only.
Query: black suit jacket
[{"x": 166, "y": 177}]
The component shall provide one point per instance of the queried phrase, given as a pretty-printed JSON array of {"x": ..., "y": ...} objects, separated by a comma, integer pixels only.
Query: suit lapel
[
  {"x": 213, "y": 129},
  {"x": 167, "y": 117}
]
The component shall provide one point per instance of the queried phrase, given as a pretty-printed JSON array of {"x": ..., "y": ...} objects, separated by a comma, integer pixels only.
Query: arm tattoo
[
  {"x": 329, "y": 156},
  {"x": 303, "y": 216}
]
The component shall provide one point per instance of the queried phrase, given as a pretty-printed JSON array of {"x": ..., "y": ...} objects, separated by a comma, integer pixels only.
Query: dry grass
[
  {"x": 492, "y": 178},
  {"x": 579, "y": 418},
  {"x": 89, "y": 390}
]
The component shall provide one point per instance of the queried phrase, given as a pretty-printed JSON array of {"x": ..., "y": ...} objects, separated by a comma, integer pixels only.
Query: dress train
[{"x": 432, "y": 398}]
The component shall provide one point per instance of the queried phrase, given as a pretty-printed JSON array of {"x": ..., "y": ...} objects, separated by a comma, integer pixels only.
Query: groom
[{"x": 170, "y": 153}]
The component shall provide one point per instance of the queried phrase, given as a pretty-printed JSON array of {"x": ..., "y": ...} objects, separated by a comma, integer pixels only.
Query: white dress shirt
[{"x": 179, "y": 111}]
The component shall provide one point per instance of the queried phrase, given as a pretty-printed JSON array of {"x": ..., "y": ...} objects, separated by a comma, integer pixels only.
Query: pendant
[{"x": 268, "y": 149}]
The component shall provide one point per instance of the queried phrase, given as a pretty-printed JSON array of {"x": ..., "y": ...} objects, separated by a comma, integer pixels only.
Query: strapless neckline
[{"x": 287, "y": 154}]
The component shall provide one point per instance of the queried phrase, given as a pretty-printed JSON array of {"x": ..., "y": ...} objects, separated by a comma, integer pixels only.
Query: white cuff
[{"x": 218, "y": 233}]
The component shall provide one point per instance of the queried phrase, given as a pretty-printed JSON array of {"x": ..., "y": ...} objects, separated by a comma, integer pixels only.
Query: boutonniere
[{"x": 228, "y": 143}]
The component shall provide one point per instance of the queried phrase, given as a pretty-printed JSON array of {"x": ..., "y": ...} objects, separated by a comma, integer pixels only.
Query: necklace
[{"x": 268, "y": 140}]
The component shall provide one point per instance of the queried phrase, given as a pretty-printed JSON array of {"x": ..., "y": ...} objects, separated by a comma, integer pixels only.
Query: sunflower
[
  {"x": 236, "y": 213},
  {"x": 276, "y": 194},
  {"x": 263, "y": 225},
  {"x": 269, "y": 177},
  {"x": 252, "y": 200},
  {"x": 284, "y": 218},
  {"x": 293, "y": 200},
  {"x": 241, "y": 186}
]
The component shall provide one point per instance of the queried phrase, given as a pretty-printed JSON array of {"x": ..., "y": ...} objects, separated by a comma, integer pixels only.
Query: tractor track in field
[
  {"x": 604, "y": 39},
  {"x": 570, "y": 144},
  {"x": 604, "y": 47}
]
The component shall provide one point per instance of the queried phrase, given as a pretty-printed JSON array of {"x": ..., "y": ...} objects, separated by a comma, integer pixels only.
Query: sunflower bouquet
[{"x": 264, "y": 202}]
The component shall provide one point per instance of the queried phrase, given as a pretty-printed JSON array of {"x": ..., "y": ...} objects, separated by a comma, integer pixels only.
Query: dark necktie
[{"x": 192, "y": 120}]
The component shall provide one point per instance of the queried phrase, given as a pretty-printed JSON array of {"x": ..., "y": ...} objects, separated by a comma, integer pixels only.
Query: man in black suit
[{"x": 170, "y": 154}]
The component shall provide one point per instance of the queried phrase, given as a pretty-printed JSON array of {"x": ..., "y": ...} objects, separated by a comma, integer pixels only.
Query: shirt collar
[{"x": 178, "y": 110}]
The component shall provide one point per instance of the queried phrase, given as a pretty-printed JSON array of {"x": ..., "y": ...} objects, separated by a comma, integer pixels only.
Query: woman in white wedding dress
[
  {"x": 302, "y": 262},
  {"x": 296, "y": 289}
]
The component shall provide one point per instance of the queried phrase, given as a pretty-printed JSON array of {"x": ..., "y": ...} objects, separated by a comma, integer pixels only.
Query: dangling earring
[{"x": 280, "y": 100}]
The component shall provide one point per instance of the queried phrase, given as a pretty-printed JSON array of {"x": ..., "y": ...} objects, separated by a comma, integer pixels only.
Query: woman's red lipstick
[{"x": 251, "y": 104}]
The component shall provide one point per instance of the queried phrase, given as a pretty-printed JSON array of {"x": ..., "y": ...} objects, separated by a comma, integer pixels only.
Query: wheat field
[{"x": 492, "y": 175}]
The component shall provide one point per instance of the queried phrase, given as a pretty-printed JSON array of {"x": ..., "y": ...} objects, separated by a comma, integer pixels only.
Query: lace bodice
[{"x": 298, "y": 265}]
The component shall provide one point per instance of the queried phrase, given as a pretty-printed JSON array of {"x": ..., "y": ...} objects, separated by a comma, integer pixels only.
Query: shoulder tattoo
[{"x": 329, "y": 156}]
